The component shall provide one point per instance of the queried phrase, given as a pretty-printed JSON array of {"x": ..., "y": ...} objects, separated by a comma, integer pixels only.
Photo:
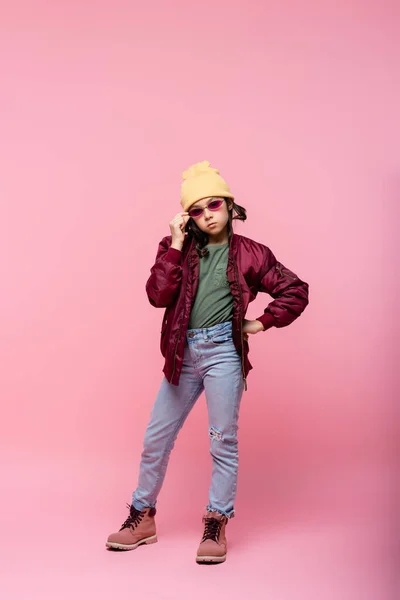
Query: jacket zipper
[
  {"x": 176, "y": 348},
  {"x": 241, "y": 323},
  {"x": 178, "y": 339},
  {"x": 283, "y": 274}
]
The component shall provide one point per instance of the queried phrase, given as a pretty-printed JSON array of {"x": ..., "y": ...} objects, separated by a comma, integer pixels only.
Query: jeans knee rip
[{"x": 215, "y": 434}]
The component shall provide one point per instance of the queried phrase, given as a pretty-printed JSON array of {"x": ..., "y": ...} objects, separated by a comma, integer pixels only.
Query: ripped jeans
[{"x": 211, "y": 363}]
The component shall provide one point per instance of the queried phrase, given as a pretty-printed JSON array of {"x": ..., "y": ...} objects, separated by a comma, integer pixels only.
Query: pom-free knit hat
[{"x": 202, "y": 181}]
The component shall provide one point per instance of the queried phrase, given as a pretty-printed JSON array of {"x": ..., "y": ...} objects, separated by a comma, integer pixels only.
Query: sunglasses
[{"x": 196, "y": 212}]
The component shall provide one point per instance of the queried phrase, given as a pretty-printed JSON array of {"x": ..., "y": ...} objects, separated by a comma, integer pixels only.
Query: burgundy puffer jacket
[{"x": 252, "y": 268}]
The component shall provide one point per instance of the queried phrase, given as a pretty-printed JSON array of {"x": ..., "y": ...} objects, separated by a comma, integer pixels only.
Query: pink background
[{"x": 103, "y": 105}]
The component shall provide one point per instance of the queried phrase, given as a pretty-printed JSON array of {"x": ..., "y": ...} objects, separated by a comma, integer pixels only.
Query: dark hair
[{"x": 201, "y": 237}]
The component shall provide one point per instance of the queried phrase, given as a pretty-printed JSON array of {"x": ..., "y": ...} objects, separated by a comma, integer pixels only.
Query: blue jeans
[{"x": 211, "y": 363}]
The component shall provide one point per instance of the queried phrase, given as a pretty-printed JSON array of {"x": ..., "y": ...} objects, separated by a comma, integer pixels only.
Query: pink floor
[{"x": 317, "y": 541}]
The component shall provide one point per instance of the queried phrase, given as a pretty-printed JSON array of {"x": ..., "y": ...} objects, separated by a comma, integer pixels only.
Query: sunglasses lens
[{"x": 215, "y": 204}]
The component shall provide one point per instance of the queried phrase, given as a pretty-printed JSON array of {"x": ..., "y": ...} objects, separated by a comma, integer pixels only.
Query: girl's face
[{"x": 214, "y": 215}]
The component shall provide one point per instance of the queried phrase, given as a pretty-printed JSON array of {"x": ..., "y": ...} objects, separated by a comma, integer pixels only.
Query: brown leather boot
[
  {"x": 139, "y": 528},
  {"x": 213, "y": 546}
]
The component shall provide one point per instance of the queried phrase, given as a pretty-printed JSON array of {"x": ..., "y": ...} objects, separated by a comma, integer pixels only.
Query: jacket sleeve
[
  {"x": 289, "y": 292},
  {"x": 166, "y": 275}
]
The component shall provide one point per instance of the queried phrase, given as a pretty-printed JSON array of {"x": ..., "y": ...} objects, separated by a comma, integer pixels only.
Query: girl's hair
[{"x": 201, "y": 237}]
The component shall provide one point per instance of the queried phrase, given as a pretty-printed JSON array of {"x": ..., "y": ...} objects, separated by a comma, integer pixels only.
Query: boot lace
[
  {"x": 135, "y": 516},
  {"x": 212, "y": 529}
]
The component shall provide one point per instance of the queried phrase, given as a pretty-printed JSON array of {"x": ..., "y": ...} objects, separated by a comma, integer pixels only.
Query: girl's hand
[
  {"x": 177, "y": 227},
  {"x": 251, "y": 327}
]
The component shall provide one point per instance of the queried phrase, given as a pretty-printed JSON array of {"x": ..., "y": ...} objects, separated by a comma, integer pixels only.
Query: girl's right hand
[{"x": 177, "y": 227}]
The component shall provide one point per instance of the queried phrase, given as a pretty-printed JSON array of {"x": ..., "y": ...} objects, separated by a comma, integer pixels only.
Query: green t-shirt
[{"x": 214, "y": 302}]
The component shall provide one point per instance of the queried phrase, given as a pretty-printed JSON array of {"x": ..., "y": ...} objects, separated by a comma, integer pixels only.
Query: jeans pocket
[{"x": 222, "y": 338}]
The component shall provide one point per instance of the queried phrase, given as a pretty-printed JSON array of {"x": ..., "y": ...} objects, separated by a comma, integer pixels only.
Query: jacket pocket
[
  {"x": 164, "y": 322},
  {"x": 284, "y": 272},
  {"x": 163, "y": 337}
]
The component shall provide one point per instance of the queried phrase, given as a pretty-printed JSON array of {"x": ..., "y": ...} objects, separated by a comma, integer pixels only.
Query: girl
[{"x": 205, "y": 276}]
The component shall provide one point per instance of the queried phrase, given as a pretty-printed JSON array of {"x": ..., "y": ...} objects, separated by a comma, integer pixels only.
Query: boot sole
[
  {"x": 150, "y": 540},
  {"x": 210, "y": 559}
]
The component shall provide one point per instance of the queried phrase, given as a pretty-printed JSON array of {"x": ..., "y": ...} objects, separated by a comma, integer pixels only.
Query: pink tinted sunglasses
[{"x": 196, "y": 212}]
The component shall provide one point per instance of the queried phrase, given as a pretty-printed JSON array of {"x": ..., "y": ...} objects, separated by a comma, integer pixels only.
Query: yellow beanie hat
[{"x": 202, "y": 181}]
